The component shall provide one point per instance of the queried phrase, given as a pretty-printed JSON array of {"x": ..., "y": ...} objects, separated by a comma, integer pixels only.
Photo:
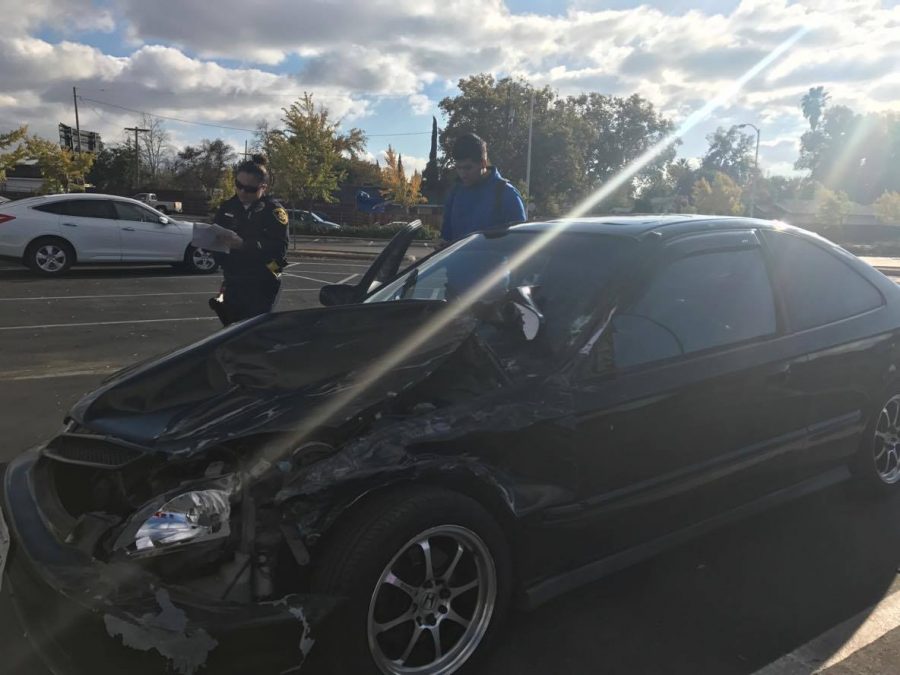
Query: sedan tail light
[{"x": 5, "y": 218}]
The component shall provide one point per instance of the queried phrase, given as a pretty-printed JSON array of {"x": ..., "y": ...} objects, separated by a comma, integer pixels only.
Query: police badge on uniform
[{"x": 281, "y": 215}]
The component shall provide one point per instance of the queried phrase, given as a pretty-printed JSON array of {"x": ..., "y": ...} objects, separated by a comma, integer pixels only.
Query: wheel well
[
  {"x": 49, "y": 237},
  {"x": 486, "y": 496}
]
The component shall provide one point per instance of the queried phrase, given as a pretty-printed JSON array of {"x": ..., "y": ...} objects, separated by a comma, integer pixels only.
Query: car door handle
[
  {"x": 70, "y": 225},
  {"x": 128, "y": 229}
]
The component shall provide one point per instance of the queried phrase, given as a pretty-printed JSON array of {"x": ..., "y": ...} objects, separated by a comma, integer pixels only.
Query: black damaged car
[{"x": 386, "y": 476}]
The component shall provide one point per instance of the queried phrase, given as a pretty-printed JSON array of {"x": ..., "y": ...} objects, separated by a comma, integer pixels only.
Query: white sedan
[{"x": 51, "y": 233}]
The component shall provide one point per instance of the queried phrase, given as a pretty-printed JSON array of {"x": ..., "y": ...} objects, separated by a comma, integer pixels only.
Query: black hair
[
  {"x": 255, "y": 166},
  {"x": 469, "y": 146}
]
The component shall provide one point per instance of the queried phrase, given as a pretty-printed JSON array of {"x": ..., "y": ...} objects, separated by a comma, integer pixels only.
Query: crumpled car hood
[{"x": 268, "y": 373}]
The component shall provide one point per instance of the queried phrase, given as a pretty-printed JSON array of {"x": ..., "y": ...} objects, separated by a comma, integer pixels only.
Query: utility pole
[
  {"x": 528, "y": 165},
  {"x": 77, "y": 123},
  {"x": 755, "y": 169},
  {"x": 137, "y": 154}
]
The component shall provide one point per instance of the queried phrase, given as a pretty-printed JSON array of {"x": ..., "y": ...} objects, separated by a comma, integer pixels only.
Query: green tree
[
  {"x": 359, "y": 171},
  {"x": 859, "y": 154},
  {"x": 399, "y": 189},
  {"x": 113, "y": 169},
  {"x": 62, "y": 169},
  {"x": 8, "y": 158},
  {"x": 223, "y": 190},
  {"x": 722, "y": 197},
  {"x": 887, "y": 208},
  {"x": 431, "y": 177},
  {"x": 813, "y": 104},
  {"x": 579, "y": 142},
  {"x": 832, "y": 209},
  {"x": 730, "y": 152},
  {"x": 201, "y": 167},
  {"x": 306, "y": 156},
  {"x": 613, "y": 131}
]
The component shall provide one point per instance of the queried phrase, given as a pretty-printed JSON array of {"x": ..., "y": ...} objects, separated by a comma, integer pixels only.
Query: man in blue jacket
[{"x": 482, "y": 198}]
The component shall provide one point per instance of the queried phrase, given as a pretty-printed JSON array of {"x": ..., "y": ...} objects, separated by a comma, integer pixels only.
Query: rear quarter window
[
  {"x": 53, "y": 207},
  {"x": 817, "y": 286}
]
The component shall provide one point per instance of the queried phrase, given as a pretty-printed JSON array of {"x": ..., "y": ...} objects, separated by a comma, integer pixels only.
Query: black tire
[
  {"x": 353, "y": 562},
  {"x": 192, "y": 261},
  {"x": 163, "y": 210},
  {"x": 50, "y": 256},
  {"x": 871, "y": 465}
]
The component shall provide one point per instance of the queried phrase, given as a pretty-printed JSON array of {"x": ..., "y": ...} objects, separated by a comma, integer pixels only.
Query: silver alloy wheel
[
  {"x": 433, "y": 603},
  {"x": 202, "y": 260},
  {"x": 886, "y": 446},
  {"x": 50, "y": 258}
]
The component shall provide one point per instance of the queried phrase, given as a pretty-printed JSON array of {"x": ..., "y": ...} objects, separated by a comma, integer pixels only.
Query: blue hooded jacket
[{"x": 491, "y": 202}]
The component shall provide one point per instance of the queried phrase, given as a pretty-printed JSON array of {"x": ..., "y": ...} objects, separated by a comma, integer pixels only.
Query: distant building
[
  {"x": 861, "y": 225},
  {"x": 804, "y": 213},
  {"x": 23, "y": 180}
]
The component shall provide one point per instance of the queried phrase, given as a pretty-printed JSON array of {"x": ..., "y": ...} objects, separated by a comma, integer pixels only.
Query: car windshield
[{"x": 568, "y": 277}]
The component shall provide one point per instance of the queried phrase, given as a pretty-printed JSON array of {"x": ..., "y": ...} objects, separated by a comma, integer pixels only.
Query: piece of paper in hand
[{"x": 211, "y": 237}]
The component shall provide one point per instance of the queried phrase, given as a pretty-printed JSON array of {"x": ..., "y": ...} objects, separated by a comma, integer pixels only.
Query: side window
[
  {"x": 53, "y": 207},
  {"x": 818, "y": 288},
  {"x": 695, "y": 303},
  {"x": 91, "y": 208},
  {"x": 126, "y": 211}
]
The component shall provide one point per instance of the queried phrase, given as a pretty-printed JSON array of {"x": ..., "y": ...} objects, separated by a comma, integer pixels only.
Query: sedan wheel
[
  {"x": 433, "y": 603},
  {"x": 886, "y": 444},
  {"x": 427, "y": 577},
  {"x": 50, "y": 258},
  {"x": 201, "y": 261}
]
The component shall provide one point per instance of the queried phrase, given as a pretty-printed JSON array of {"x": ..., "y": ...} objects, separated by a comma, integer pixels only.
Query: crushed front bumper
[{"x": 87, "y": 616}]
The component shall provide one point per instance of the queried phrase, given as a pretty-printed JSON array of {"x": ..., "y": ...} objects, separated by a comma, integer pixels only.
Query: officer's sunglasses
[{"x": 247, "y": 188}]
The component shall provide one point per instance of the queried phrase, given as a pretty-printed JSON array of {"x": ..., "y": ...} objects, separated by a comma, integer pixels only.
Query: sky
[{"x": 384, "y": 65}]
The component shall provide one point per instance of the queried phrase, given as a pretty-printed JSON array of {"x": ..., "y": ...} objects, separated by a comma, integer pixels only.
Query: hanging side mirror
[{"x": 333, "y": 295}]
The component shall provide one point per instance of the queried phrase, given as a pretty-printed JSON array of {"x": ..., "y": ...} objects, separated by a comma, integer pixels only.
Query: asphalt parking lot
[{"x": 727, "y": 604}]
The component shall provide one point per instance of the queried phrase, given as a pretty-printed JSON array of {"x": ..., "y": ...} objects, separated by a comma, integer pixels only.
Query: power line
[
  {"x": 165, "y": 117},
  {"x": 222, "y": 126},
  {"x": 407, "y": 133}
]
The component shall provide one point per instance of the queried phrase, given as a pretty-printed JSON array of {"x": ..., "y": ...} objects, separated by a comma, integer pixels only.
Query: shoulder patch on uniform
[{"x": 281, "y": 215}]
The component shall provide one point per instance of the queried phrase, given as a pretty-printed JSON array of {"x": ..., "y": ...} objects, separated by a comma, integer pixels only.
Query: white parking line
[
  {"x": 350, "y": 278},
  {"x": 841, "y": 642},
  {"x": 300, "y": 276},
  {"x": 328, "y": 264},
  {"x": 106, "y": 323},
  {"x": 136, "y": 295}
]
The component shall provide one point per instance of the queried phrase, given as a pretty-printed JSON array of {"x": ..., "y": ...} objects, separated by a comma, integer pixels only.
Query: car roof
[
  {"x": 638, "y": 225},
  {"x": 45, "y": 199}
]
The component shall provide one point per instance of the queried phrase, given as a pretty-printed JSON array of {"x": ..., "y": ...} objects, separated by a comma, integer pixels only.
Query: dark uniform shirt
[
  {"x": 263, "y": 228},
  {"x": 252, "y": 272}
]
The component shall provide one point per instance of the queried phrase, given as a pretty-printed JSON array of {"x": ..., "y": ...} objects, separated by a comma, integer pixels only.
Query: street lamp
[{"x": 755, "y": 168}]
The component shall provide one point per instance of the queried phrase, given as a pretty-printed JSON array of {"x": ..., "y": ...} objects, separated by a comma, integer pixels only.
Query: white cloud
[
  {"x": 67, "y": 16},
  {"x": 353, "y": 53},
  {"x": 420, "y": 104}
]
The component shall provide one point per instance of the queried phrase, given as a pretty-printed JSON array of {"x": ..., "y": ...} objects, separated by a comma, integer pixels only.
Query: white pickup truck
[{"x": 150, "y": 199}]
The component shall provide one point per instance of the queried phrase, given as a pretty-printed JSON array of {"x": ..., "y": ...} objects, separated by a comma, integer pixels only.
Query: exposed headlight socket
[{"x": 190, "y": 517}]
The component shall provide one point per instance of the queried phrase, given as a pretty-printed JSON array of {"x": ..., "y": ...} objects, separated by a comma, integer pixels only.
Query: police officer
[{"x": 258, "y": 245}]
